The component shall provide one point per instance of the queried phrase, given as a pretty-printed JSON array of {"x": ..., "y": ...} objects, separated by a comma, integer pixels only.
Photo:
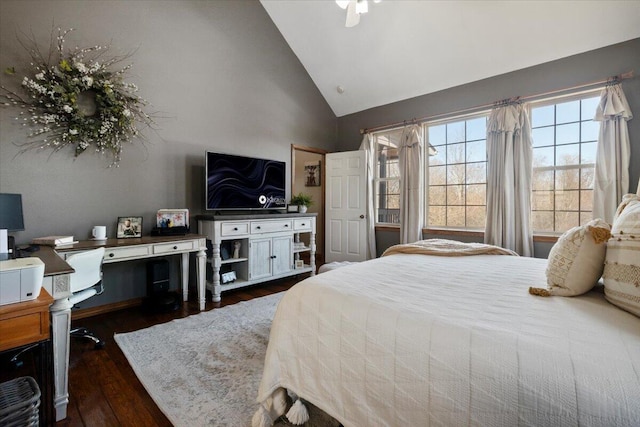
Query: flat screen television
[{"x": 244, "y": 183}]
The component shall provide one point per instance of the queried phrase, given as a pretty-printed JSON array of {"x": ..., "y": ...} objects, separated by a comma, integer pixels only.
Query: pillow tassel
[
  {"x": 298, "y": 413},
  {"x": 541, "y": 292},
  {"x": 261, "y": 418},
  {"x": 280, "y": 401}
]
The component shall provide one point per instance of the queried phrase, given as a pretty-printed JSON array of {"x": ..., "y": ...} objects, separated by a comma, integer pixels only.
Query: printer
[{"x": 20, "y": 279}]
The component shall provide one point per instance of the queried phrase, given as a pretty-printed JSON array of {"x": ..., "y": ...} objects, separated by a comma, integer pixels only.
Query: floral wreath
[{"x": 75, "y": 100}]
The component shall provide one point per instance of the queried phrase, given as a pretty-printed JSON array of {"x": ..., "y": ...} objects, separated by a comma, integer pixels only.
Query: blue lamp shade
[{"x": 11, "y": 212}]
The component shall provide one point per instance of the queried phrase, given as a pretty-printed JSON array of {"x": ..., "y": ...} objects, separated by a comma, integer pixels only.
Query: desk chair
[{"x": 85, "y": 283}]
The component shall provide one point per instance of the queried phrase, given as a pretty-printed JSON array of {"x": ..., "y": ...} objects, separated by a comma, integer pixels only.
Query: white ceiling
[{"x": 404, "y": 48}]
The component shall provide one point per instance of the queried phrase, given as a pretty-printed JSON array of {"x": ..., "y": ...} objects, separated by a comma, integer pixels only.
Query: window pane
[
  {"x": 585, "y": 217},
  {"x": 476, "y": 216},
  {"x": 590, "y": 131},
  {"x": 567, "y": 179},
  {"x": 455, "y": 174},
  {"x": 455, "y": 153},
  {"x": 437, "y": 135},
  {"x": 438, "y": 216},
  {"x": 455, "y": 195},
  {"x": 542, "y": 220},
  {"x": 542, "y": 136},
  {"x": 437, "y": 175},
  {"x": 455, "y": 132},
  {"x": 440, "y": 158},
  {"x": 589, "y": 106},
  {"x": 568, "y": 112},
  {"x": 543, "y": 180},
  {"x": 393, "y": 201},
  {"x": 567, "y": 200},
  {"x": 437, "y": 195},
  {"x": 588, "y": 152},
  {"x": 586, "y": 200},
  {"x": 477, "y": 194},
  {"x": 568, "y": 154},
  {"x": 477, "y": 128},
  {"x": 542, "y": 200},
  {"x": 586, "y": 177},
  {"x": 567, "y": 220},
  {"x": 455, "y": 216},
  {"x": 477, "y": 151},
  {"x": 566, "y": 134},
  {"x": 476, "y": 173},
  {"x": 543, "y": 157},
  {"x": 542, "y": 116}
]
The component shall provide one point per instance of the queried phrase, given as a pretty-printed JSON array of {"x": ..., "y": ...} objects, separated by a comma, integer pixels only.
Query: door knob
[{"x": 361, "y": 216}]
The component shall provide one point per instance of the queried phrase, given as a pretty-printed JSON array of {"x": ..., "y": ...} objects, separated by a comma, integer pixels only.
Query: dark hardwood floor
[{"x": 103, "y": 389}]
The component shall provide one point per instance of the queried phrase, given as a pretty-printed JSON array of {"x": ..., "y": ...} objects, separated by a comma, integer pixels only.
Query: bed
[{"x": 422, "y": 340}]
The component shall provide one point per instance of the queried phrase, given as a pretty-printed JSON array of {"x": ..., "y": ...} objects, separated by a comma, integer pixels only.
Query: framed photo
[
  {"x": 129, "y": 226},
  {"x": 312, "y": 174},
  {"x": 292, "y": 208},
  {"x": 299, "y": 263},
  {"x": 167, "y": 218}
]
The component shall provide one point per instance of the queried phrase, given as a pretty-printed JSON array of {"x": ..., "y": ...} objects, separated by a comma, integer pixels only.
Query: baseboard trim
[{"x": 107, "y": 308}]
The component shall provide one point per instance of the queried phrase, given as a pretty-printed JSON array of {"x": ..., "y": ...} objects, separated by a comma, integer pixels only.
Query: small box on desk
[{"x": 20, "y": 279}]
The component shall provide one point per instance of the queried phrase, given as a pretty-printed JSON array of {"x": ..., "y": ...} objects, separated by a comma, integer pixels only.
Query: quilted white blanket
[{"x": 418, "y": 340}]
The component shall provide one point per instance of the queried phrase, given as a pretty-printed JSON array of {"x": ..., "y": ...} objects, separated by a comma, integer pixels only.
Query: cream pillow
[
  {"x": 622, "y": 263},
  {"x": 576, "y": 260}
]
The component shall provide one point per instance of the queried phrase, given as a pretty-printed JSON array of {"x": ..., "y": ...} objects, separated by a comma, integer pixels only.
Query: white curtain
[
  {"x": 509, "y": 170},
  {"x": 411, "y": 187},
  {"x": 368, "y": 146},
  {"x": 611, "y": 177}
]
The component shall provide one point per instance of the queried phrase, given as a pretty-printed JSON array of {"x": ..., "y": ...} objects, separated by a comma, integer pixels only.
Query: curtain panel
[
  {"x": 611, "y": 176},
  {"x": 509, "y": 174},
  {"x": 368, "y": 146},
  {"x": 411, "y": 184}
]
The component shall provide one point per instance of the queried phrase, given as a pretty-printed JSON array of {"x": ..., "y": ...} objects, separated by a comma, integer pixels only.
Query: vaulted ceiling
[{"x": 402, "y": 48}]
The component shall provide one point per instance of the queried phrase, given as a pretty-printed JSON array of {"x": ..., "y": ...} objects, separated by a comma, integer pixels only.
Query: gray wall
[
  {"x": 222, "y": 78},
  {"x": 575, "y": 70}
]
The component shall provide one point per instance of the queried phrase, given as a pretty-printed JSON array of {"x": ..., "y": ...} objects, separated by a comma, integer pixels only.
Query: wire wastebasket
[{"x": 19, "y": 402}]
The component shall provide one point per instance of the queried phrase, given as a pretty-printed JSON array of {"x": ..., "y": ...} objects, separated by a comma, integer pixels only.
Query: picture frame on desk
[
  {"x": 292, "y": 208},
  {"x": 129, "y": 227}
]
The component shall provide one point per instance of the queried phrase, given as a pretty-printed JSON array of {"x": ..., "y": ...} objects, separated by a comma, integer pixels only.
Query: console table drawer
[
  {"x": 131, "y": 252},
  {"x": 173, "y": 247},
  {"x": 258, "y": 227},
  {"x": 234, "y": 228},
  {"x": 302, "y": 224}
]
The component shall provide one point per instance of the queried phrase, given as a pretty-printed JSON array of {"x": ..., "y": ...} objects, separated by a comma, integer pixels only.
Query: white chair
[{"x": 86, "y": 282}]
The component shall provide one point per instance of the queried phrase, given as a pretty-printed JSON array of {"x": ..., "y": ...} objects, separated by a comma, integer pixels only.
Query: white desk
[{"x": 116, "y": 250}]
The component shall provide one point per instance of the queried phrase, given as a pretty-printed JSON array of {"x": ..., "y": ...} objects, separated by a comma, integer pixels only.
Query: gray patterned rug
[{"x": 204, "y": 370}]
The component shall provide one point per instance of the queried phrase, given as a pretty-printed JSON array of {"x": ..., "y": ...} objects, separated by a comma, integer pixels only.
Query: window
[
  {"x": 457, "y": 174},
  {"x": 387, "y": 177},
  {"x": 564, "y": 153}
]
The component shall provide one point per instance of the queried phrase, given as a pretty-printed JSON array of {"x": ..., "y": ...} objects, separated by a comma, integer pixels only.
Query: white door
[
  {"x": 260, "y": 258},
  {"x": 346, "y": 209}
]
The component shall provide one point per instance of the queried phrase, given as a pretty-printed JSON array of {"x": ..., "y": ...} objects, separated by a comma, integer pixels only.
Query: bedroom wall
[
  {"x": 221, "y": 78},
  {"x": 571, "y": 71}
]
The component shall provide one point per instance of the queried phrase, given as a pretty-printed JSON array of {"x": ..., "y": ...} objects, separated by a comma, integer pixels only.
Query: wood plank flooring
[{"x": 103, "y": 389}]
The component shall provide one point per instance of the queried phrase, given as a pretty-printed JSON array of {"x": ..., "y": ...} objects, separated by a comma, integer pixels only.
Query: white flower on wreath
[
  {"x": 73, "y": 132},
  {"x": 67, "y": 109},
  {"x": 40, "y": 76},
  {"x": 87, "y": 81},
  {"x": 81, "y": 67}
]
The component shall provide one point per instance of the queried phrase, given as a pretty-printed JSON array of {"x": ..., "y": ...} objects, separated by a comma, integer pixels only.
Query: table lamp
[{"x": 10, "y": 220}]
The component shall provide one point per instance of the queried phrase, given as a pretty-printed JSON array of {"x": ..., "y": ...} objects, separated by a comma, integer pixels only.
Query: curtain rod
[{"x": 609, "y": 80}]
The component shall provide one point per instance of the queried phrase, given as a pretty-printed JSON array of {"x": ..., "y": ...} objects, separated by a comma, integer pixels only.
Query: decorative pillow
[
  {"x": 576, "y": 260},
  {"x": 622, "y": 262}
]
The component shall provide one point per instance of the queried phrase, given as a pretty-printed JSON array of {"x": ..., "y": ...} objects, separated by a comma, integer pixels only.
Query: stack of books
[
  {"x": 54, "y": 240},
  {"x": 299, "y": 245}
]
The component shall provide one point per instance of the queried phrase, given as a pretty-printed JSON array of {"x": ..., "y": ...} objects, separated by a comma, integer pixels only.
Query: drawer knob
[
  {"x": 175, "y": 247},
  {"x": 272, "y": 257},
  {"x": 111, "y": 255},
  {"x": 258, "y": 227},
  {"x": 235, "y": 228},
  {"x": 286, "y": 225},
  {"x": 303, "y": 224}
]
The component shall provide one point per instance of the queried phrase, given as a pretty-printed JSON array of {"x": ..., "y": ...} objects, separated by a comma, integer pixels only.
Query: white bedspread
[{"x": 417, "y": 340}]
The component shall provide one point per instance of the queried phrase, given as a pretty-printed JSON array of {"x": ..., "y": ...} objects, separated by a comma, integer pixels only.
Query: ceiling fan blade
[{"x": 353, "y": 18}]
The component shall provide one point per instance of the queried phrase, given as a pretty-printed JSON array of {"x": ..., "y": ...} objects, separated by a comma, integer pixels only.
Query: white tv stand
[{"x": 270, "y": 248}]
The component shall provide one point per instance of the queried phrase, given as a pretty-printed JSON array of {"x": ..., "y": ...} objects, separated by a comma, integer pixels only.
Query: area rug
[{"x": 205, "y": 369}]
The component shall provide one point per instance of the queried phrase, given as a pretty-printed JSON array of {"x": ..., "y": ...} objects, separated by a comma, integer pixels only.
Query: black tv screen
[{"x": 240, "y": 183}]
